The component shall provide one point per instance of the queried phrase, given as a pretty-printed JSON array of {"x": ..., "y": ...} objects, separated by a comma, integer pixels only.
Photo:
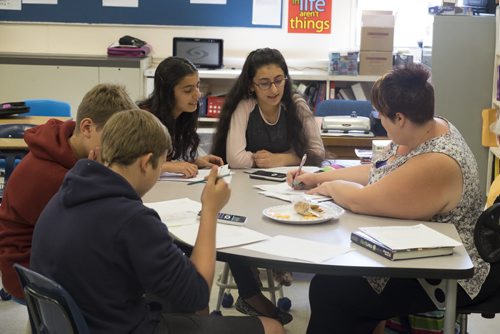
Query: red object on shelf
[{"x": 214, "y": 106}]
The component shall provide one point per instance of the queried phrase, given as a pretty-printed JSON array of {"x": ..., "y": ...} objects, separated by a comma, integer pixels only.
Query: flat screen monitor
[
  {"x": 481, "y": 6},
  {"x": 202, "y": 52}
]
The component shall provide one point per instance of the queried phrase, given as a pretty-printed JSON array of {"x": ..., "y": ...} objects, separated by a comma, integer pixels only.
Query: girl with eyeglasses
[
  {"x": 262, "y": 122},
  {"x": 175, "y": 102}
]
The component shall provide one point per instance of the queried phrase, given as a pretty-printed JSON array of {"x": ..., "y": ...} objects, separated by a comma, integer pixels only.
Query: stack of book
[{"x": 404, "y": 242}]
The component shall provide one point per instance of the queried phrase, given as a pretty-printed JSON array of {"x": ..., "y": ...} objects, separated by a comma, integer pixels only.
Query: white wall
[{"x": 92, "y": 39}]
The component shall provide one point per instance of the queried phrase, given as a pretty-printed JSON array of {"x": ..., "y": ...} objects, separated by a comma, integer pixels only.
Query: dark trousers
[
  {"x": 349, "y": 305},
  {"x": 247, "y": 282}
]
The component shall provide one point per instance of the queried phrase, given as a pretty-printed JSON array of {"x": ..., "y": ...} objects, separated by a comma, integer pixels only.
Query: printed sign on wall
[{"x": 310, "y": 16}]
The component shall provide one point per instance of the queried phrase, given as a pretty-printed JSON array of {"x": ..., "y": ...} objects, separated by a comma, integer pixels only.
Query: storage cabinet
[
  {"x": 462, "y": 60},
  {"x": 67, "y": 78}
]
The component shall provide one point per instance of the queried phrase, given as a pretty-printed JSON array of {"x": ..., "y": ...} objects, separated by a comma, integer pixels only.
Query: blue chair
[
  {"x": 335, "y": 107},
  {"x": 50, "y": 307},
  {"x": 46, "y": 107}
]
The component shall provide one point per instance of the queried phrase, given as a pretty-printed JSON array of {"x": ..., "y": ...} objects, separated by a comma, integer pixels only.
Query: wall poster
[{"x": 310, "y": 16}]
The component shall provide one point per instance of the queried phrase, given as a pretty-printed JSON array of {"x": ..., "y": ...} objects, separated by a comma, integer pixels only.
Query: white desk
[{"x": 246, "y": 201}]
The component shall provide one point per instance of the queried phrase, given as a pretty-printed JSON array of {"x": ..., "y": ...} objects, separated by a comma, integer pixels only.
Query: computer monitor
[
  {"x": 481, "y": 6},
  {"x": 202, "y": 52}
]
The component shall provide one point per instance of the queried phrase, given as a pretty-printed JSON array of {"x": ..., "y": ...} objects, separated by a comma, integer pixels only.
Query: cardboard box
[
  {"x": 377, "y": 18},
  {"x": 377, "y": 39},
  {"x": 374, "y": 63}
]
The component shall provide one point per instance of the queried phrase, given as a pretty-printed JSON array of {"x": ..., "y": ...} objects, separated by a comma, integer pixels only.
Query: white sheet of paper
[
  {"x": 286, "y": 193},
  {"x": 227, "y": 235},
  {"x": 43, "y": 2},
  {"x": 10, "y": 5},
  {"x": 210, "y": 2},
  {"x": 266, "y": 12},
  {"x": 405, "y": 237},
  {"x": 120, "y": 3},
  {"x": 177, "y": 212},
  {"x": 306, "y": 250}
]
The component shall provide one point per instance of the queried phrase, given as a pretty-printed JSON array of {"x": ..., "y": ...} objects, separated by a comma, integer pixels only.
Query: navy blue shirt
[{"x": 97, "y": 239}]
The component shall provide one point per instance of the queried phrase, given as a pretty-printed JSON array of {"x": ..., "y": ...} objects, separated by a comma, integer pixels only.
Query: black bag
[
  {"x": 13, "y": 108},
  {"x": 132, "y": 41}
]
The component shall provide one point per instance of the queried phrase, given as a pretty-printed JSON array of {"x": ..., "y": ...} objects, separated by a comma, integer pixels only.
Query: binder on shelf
[
  {"x": 346, "y": 94},
  {"x": 214, "y": 106},
  {"x": 358, "y": 91}
]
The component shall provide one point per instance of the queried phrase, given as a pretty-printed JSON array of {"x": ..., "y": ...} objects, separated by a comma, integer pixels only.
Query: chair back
[
  {"x": 51, "y": 309},
  {"x": 487, "y": 234},
  {"x": 336, "y": 107},
  {"x": 46, "y": 107}
]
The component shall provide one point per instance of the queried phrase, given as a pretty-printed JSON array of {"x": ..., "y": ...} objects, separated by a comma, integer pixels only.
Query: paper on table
[
  {"x": 176, "y": 212},
  {"x": 202, "y": 173},
  {"x": 410, "y": 237},
  {"x": 227, "y": 235},
  {"x": 306, "y": 250},
  {"x": 286, "y": 193}
]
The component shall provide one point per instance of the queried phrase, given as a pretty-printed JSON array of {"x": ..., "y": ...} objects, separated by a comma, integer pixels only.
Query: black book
[{"x": 374, "y": 245}]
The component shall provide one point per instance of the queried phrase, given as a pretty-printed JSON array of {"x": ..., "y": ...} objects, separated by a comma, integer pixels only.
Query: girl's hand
[
  {"x": 209, "y": 161},
  {"x": 180, "y": 167}
]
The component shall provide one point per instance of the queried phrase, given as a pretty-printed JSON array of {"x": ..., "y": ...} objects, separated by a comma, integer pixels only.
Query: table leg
[{"x": 451, "y": 306}]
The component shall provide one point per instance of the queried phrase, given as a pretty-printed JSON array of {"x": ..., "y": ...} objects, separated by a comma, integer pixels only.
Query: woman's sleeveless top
[{"x": 464, "y": 216}]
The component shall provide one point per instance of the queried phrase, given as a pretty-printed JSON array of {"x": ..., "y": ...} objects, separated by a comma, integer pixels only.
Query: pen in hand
[{"x": 295, "y": 183}]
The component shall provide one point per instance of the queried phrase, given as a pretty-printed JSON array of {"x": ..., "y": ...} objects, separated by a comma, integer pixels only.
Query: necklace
[{"x": 265, "y": 119}]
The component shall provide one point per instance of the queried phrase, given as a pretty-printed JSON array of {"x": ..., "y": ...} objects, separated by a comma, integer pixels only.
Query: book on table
[{"x": 404, "y": 242}]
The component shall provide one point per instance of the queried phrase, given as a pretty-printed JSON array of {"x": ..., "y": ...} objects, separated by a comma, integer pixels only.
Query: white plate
[{"x": 286, "y": 214}]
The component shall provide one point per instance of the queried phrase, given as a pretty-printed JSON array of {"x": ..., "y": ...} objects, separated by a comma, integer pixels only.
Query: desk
[
  {"x": 246, "y": 201},
  {"x": 15, "y": 148},
  {"x": 343, "y": 147},
  {"x": 18, "y": 143}
]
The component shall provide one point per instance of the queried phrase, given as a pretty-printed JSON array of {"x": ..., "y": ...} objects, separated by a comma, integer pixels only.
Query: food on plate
[{"x": 307, "y": 210}]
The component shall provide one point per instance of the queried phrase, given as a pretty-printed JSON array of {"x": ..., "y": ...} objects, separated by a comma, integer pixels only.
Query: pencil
[{"x": 204, "y": 181}]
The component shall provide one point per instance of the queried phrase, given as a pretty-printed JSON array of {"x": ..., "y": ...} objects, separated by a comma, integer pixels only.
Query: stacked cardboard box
[{"x": 377, "y": 42}]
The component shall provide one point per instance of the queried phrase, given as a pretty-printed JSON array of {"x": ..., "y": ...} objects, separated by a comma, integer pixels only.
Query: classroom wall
[{"x": 92, "y": 39}]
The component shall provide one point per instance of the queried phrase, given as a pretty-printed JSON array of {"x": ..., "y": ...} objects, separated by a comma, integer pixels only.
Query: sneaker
[{"x": 242, "y": 306}]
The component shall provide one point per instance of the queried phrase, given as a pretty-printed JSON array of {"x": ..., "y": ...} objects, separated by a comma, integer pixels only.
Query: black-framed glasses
[{"x": 265, "y": 85}]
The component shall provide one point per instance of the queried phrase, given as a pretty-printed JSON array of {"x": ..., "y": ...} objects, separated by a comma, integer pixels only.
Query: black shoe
[{"x": 242, "y": 306}]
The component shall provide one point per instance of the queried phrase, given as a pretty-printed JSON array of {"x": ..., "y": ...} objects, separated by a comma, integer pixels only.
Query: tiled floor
[{"x": 13, "y": 317}]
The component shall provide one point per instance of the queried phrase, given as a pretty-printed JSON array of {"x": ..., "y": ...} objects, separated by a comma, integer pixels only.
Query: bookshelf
[{"x": 218, "y": 82}]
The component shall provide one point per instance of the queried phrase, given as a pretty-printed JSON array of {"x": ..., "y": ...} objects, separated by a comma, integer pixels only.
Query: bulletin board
[{"x": 235, "y": 13}]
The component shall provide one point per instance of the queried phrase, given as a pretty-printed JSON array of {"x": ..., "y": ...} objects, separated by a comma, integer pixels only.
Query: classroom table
[
  {"x": 15, "y": 148},
  {"x": 245, "y": 200}
]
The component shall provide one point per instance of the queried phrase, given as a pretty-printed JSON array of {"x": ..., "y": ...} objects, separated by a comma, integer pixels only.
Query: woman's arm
[
  {"x": 266, "y": 159},
  {"x": 424, "y": 186},
  {"x": 236, "y": 155}
]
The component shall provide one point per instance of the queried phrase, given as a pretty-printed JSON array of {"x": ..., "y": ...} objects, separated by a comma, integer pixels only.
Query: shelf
[
  {"x": 312, "y": 74},
  {"x": 496, "y": 151}
]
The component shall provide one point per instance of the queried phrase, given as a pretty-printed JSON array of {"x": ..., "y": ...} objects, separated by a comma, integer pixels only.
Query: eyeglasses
[{"x": 265, "y": 85}]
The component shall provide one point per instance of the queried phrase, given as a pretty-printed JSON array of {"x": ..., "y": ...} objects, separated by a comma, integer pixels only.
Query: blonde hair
[
  {"x": 101, "y": 102},
  {"x": 130, "y": 134}
]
